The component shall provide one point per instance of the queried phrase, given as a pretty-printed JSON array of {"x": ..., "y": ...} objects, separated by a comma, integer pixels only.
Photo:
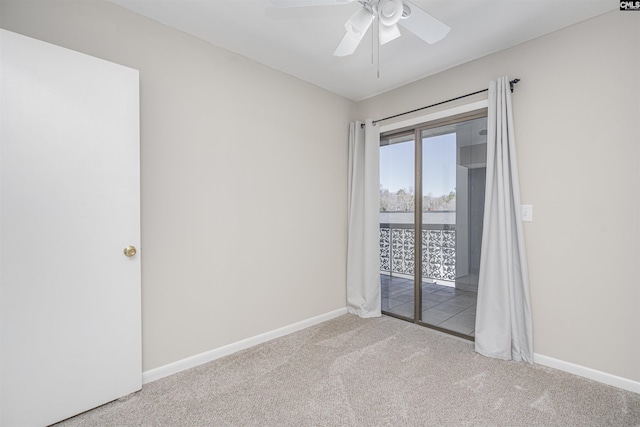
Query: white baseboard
[
  {"x": 198, "y": 359},
  {"x": 592, "y": 374}
]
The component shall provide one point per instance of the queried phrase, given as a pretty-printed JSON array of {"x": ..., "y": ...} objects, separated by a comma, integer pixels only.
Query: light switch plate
[{"x": 527, "y": 213}]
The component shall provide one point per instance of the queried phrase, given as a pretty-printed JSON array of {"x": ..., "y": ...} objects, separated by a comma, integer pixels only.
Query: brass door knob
[{"x": 130, "y": 251}]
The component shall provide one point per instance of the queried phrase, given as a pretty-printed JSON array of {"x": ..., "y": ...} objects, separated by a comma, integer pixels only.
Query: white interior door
[{"x": 69, "y": 176}]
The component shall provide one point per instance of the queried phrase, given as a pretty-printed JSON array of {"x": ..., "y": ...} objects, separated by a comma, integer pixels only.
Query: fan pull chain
[
  {"x": 378, "y": 45},
  {"x": 373, "y": 42}
]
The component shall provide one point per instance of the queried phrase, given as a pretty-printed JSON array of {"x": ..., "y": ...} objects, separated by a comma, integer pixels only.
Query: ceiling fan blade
[
  {"x": 387, "y": 34},
  {"x": 422, "y": 24},
  {"x": 348, "y": 45},
  {"x": 303, "y": 3},
  {"x": 356, "y": 27}
]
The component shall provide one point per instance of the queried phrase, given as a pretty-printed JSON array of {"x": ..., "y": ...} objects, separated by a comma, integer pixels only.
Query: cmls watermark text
[{"x": 629, "y": 5}]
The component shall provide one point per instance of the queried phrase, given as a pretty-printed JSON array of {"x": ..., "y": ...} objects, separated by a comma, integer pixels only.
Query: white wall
[
  {"x": 577, "y": 118},
  {"x": 225, "y": 144}
]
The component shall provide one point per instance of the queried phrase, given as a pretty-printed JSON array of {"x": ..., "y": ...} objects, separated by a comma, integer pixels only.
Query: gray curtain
[
  {"x": 363, "y": 245},
  {"x": 503, "y": 319}
]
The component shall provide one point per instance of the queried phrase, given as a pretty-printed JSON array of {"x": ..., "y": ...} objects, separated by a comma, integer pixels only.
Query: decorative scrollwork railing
[{"x": 438, "y": 251}]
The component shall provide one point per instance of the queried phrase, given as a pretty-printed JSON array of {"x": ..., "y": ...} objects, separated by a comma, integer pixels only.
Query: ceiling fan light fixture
[
  {"x": 388, "y": 34},
  {"x": 390, "y": 12}
]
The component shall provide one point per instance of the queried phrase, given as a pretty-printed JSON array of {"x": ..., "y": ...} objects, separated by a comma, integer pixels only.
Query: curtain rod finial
[{"x": 512, "y": 83}]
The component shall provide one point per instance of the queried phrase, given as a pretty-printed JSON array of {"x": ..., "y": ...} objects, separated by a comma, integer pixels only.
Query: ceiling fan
[{"x": 390, "y": 13}]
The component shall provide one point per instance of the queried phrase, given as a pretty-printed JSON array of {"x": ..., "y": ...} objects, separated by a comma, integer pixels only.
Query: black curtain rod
[{"x": 511, "y": 85}]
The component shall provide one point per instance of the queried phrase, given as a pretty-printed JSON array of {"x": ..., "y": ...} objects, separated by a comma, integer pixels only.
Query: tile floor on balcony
[{"x": 442, "y": 306}]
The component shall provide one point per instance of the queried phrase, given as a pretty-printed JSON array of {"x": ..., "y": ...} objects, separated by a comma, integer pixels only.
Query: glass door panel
[
  {"x": 453, "y": 163},
  {"x": 397, "y": 225}
]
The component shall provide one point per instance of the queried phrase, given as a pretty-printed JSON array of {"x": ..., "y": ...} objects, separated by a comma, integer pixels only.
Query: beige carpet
[{"x": 368, "y": 372}]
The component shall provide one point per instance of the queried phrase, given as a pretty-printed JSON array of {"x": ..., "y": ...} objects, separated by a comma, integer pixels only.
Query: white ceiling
[{"x": 300, "y": 41}]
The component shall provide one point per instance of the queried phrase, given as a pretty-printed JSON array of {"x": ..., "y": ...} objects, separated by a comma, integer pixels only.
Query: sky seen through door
[{"x": 439, "y": 161}]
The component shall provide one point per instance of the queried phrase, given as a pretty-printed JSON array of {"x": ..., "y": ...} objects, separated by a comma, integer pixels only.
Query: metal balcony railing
[{"x": 438, "y": 250}]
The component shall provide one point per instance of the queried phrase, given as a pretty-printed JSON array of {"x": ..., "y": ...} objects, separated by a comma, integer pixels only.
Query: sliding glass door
[
  {"x": 397, "y": 224},
  {"x": 431, "y": 222}
]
